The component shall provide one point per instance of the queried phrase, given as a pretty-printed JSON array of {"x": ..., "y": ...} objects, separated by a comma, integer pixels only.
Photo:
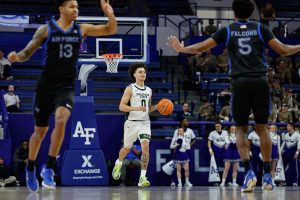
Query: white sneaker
[
  {"x": 222, "y": 185},
  {"x": 235, "y": 185},
  {"x": 179, "y": 185},
  {"x": 188, "y": 184},
  {"x": 173, "y": 184},
  {"x": 295, "y": 185}
]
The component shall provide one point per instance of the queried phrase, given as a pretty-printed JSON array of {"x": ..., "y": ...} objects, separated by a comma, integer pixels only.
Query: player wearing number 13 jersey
[
  {"x": 55, "y": 88},
  {"x": 245, "y": 41},
  {"x": 136, "y": 101}
]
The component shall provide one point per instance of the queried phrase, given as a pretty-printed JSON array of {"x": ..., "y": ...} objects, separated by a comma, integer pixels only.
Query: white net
[{"x": 112, "y": 61}]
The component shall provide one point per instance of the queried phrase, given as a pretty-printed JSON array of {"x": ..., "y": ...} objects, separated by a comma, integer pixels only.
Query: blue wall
[{"x": 110, "y": 130}]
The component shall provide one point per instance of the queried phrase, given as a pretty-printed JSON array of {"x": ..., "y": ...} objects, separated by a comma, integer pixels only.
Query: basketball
[{"x": 165, "y": 106}]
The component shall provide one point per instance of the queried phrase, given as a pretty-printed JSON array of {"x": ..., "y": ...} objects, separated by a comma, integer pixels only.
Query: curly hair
[{"x": 133, "y": 67}]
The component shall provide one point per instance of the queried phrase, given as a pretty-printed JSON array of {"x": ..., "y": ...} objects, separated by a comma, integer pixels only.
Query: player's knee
[
  {"x": 61, "y": 119},
  {"x": 39, "y": 135}
]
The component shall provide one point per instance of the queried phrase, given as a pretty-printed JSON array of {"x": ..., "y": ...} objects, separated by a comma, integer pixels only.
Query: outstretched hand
[
  {"x": 106, "y": 7},
  {"x": 174, "y": 43},
  {"x": 13, "y": 57}
]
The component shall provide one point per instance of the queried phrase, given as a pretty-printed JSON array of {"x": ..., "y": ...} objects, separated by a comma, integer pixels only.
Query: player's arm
[
  {"x": 192, "y": 49},
  {"x": 96, "y": 30},
  {"x": 283, "y": 49},
  {"x": 152, "y": 108},
  {"x": 38, "y": 38},
  {"x": 124, "y": 102}
]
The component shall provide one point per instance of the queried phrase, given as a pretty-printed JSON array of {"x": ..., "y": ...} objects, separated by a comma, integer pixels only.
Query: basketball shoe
[{"x": 249, "y": 181}]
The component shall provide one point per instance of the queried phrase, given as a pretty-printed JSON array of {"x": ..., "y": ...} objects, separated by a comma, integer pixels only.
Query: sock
[
  {"x": 233, "y": 180},
  {"x": 31, "y": 165},
  {"x": 143, "y": 172},
  {"x": 119, "y": 162},
  {"x": 223, "y": 180},
  {"x": 267, "y": 167},
  {"x": 247, "y": 165},
  {"x": 179, "y": 181},
  {"x": 187, "y": 180},
  {"x": 51, "y": 162}
]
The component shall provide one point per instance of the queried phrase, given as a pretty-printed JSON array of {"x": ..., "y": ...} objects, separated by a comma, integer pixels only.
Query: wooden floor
[{"x": 155, "y": 193}]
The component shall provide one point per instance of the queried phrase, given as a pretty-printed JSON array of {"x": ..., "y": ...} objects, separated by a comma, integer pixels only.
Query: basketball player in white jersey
[{"x": 136, "y": 101}]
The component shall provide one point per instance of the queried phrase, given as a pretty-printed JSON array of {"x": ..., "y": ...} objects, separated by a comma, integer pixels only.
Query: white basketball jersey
[{"x": 140, "y": 97}]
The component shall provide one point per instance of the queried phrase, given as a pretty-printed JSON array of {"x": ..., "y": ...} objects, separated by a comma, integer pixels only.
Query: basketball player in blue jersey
[
  {"x": 245, "y": 42},
  {"x": 55, "y": 88},
  {"x": 136, "y": 101}
]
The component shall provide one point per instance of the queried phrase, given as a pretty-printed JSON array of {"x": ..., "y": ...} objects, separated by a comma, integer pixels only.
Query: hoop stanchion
[{"x": 112, "y": 61}]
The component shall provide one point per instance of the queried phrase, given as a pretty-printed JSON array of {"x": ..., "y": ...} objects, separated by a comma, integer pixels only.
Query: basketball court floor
[{"x": 155, "y": 193}]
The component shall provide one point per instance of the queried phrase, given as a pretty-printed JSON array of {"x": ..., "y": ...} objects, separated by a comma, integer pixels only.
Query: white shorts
[{"x": 134, "y": 130}]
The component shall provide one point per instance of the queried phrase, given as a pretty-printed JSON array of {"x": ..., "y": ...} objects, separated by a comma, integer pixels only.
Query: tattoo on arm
[{"x": 34, "y": 44}]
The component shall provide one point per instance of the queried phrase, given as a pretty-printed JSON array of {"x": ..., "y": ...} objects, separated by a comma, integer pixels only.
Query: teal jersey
[{"x": 245, "y": 41}]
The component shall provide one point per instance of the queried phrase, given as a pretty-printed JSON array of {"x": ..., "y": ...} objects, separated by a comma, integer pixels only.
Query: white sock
[
  {"x": 179, "y": 181},
  {"x": 223, "y": 180},
  {"x": 119, "y": 162},
  {"x": 233, "y": 180},
  {"x": 187, "y": 180},
  {"x": 143, "y": 172}
]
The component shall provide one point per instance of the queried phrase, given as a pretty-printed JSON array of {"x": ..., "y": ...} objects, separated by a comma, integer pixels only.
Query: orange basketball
[{"x": 165, "y": 106}]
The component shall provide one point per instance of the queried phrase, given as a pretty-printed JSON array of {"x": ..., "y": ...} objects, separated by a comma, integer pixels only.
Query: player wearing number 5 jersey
[
  {"x": 245, "y": 42},
  {"x": 55, "y": 88},
  {"x": 136, "y": 101}
]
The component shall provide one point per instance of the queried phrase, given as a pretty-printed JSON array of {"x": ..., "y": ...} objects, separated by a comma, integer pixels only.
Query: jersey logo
[{"x": 243, "y": 26}]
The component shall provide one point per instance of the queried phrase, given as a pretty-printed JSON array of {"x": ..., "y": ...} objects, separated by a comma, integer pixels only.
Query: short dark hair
[
  {"x": 242, "y": 8},
  {"x": 291, "y": 124},
  {"x": 59, "y": 3},
  {"x": 133, "y": 67}
]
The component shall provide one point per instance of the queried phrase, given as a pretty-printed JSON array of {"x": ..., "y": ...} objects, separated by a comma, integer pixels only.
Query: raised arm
[
  {"x": 283, "y": 49},
  {"x": 39, "y": 37},
  {"x": 192, "y": 49},
  {"x": 97, "y": 30}
]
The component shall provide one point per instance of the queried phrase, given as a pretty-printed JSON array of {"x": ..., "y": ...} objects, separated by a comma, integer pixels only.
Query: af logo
[
  {"x": 86, "y": 161},
  {"x": 86, "y": 133},
  {"x": 214, "y": 171}
]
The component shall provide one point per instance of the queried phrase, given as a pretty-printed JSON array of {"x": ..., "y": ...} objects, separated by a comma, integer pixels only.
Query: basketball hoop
[{"x": 112, "y": 60}]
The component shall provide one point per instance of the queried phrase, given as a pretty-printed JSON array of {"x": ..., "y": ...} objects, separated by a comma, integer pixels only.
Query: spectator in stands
[
  {"x": 276, "y": 104},
  {"x": 5, "y": 68},
  {"x": 132, "y": 160},
  {"x": 232, "y": 156},
  {"x": 181, "y": 158},
  {"x": 216, "y": 145},
  {"x": 211, "y": 28},
  {"x": 20, "y": 160},
  {"x": 267, "y": 14},
  {"x": 209, "y": 63},
  {"x": 290, "y": 153},
  {"x": 256, "y": 162},
  {"x": 297, "y": 70},
  {"x": 12, "y": 100},
  {"x": 277, "y": 89},
  {"x": 284, "y": 71},
  {"x": 284, "y": 115},
  {"x": 198, "y": 28},
  {"x": 224, "y": 114},
  {"x": 291, "y": 103},
  {"x": 184, "y": 113},
  {"x": 206, "y": 112},
  {"x": 5, "y": 179},
  {"x": 286, "y": 59},
  {"x": 223, "y": 61}
]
